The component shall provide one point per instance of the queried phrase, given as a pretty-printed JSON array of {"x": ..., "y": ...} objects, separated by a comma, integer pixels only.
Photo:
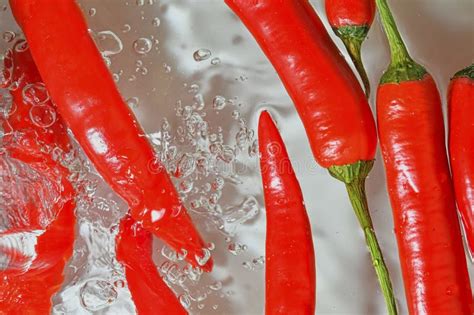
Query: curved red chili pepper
[
  {"x": 411, "y": 132},
  {"x": 149, "y": 292},
  {"x": 289, "y": 255},
  {"x": 85, "y": 95},
  {"x": 351, "y": 21},
  {"x": 30, "y": 291},
  {"x": 331, "y": 104},
  {"x": 461, "y": 147}
]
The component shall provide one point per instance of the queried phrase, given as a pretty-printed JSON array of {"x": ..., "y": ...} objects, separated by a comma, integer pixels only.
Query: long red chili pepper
[
  {"x": 84, "y": 92},
  {"x": 332, "y": 106},
  {"x": 290, "y": 272},
  {"x": 411, "y": 132},
  {"x": 30, "y": 291},
  {"x": 351, "y": 21},
  {"x": 149, "y": 292},
  {"x": 461, "y": 147}
]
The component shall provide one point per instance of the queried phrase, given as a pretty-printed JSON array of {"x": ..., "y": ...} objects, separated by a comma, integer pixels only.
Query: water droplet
[
  {"x": 35, "y": 94},
  {"x": 215, "y": 61},
  {"x": 156, "y": 22},
  {"x": 133, "y": 102},
  {"x": 219, "y": 102},
  {"x": 43, "y": 115},
  {"x": 92, "y": 11},
  {"x": 142, "y": 45},
  {"x": 97, "y": 294},
  {"x": 8, "y": 36},
  {"x": 202, "y": 54}
]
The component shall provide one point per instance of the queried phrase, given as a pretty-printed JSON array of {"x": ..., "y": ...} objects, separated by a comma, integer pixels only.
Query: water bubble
[
  {"x": 185, "y": 186},
  {"x": 216, "y": 286},
  {"x": 215, "y": 61},
  {"x": 142, "y": 45},
  {"x": 140, "y": 2},
  {"x": 200, "y": 306},
  {"x": 236, "y": 248},
  {"x": 199, "y": 101},
  {"x": 156, "y": 22},
  {"x": 215, "y": 307},
  {"x": 186, "y": 166},
  {"x": 133, "y": 102},
  {"x": 35, "y": 93},
  {"x": 92, "y": 11},
  {"x": 119, "y": 283},
  {"x": 166, "y": 68},
  {"x": 126, "y": 28},
  {"x": 202, "y": 260},
  {"x": 142, "y": 70},
  {"x": 108, "y": 43},
  {"x": 6, "y": 103},
  {"x": 253, "y": 148},
  {"x": 21, "y": 46},
  {"x": 97, "y": 294},
  {"x": 168, "y": 253},
  {"x": 43, "y": 115},
  {"x": 219, "y": 102},
  {"x": 202, "y": 54},
  {"x": 185, "y": 301},
  {"x": 8, "y": 36}
]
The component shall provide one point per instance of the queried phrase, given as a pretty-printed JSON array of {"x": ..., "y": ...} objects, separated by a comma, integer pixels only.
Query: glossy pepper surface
[
  {"x": 329, "y": 99},
  {"x": 149, "y": 292},
  {"x": 411, "y": 132},
  {"x": 290, "y": 280},
  {"x": 351, "y": 21},
  {"x": 108, "y": 132},
  {"x": 31, "y": 125},
  {"x": 461, "y": 147}
]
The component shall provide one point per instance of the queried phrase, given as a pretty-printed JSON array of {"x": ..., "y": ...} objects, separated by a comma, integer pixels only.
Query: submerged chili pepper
[
  {"x": 461, "y": 147},
  {"x": 411, "y": 132},
  {"x": 105, "y": 127},
  {"x": 351, "y": 21},
  {"x": 332, "y": 106},
  {"x": 28, "y": 286},
  {"x": 290, "y": 281},
  {"x": 149, "y": 292}
]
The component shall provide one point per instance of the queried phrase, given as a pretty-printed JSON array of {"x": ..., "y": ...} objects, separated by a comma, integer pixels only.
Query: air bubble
[
  {"x": 43, "y": 116},
  {"x": 8, "y": 36},
  {"x": 219, "y": 102},
  {"x": 133, "y": 102},
  {"x": 202, "y": 54},
  {"x": 142, "y": 45},
  {"x": 156, "y": 22},
  {"x": 97, "y": 294}
]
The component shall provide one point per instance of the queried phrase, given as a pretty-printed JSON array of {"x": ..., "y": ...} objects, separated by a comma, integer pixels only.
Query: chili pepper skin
[
  {"x": 411, "y": 132},
  {"x": 108, "y": 132},
  {"x": 149, "y": 292},
  {"x": 351, "y": 21},
  {"x": 29, "y": 290},
  {"x": 329, "y": 99},
  {"x": 290, "y": 281},
  {"x": 461, "y": 147}
]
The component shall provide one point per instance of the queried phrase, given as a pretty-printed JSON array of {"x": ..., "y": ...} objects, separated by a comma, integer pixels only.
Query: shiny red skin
[
  {"x": 149, "y": 292},
  {"x": 342, "y": 13},
  {"x": 290, "y": 280},
  {"x": 85, "y": 94},
  {"x": 411, "y": 133},
  {"x": 461, "y": 149},
  {"x": 30, "y": 291},
  {"x": 329, "y": 99}
]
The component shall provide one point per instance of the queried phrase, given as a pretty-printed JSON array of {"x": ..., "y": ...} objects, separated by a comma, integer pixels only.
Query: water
[{"x": 212, "y": 154}]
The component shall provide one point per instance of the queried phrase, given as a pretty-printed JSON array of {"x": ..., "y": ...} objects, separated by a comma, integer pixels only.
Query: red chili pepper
[
  {"x": 461, "y": 147},
  {"x": 28, "y": 289},
  {"x": 290, "y": 271},
  {"x": 351, "y": 21},
  {"x": 332, "y": 106},
  {"x": 85, "y": 95},
  {"x": 149, "y": 292},
  {"x": 411, "y": 132}
]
